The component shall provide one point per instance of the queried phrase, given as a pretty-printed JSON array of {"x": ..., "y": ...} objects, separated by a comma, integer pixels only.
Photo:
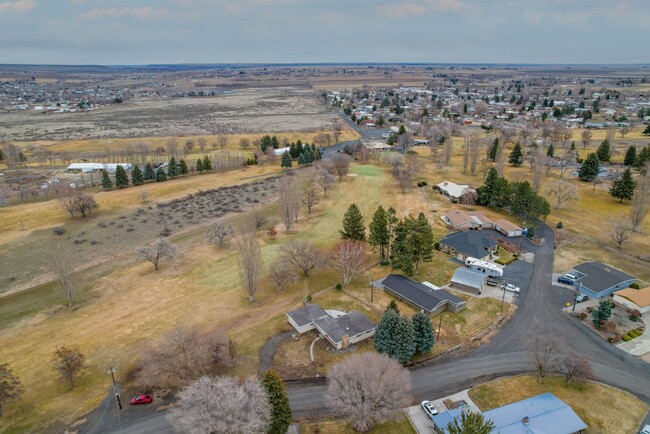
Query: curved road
[{"x": 539, "y": 313}]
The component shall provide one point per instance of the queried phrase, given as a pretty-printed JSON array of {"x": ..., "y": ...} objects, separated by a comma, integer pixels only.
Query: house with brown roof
[
  {"x": 638, "y": 299},
  {"x": 460, "y": 220},
  {"x": 507, "y": 228}
]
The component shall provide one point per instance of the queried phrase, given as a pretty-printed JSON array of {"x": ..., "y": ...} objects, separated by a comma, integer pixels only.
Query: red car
[{"x": 142, "y": 399}]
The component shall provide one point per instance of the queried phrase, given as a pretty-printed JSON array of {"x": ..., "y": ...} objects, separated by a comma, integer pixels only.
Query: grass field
[
  {"x": 400, "y": 425},
  {"x": 604, "y": 409}
]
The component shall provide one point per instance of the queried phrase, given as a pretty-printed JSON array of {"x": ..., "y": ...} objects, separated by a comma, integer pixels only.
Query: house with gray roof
[
  {"x": 540, "y": 414},
  {"x": 340, "y": 329},
  {"x": 598, "y": 280},
  {"x": 419, "y": 295},
  {"x": 468, "y": 279},
  {"x": 469, "y": 244}
]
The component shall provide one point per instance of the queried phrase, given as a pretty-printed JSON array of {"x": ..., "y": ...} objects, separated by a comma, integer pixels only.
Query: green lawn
[{"x": 366, "y": 170}]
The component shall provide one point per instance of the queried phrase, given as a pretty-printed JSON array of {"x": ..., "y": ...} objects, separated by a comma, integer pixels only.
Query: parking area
[{"x": 421, "y": 421}]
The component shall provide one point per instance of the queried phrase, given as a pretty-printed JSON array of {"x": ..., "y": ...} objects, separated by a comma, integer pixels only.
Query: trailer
[{"x": 489, "y": 268}]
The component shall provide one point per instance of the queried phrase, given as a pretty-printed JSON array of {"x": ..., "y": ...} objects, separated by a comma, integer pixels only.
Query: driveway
[{"x": 638, "y": 346}]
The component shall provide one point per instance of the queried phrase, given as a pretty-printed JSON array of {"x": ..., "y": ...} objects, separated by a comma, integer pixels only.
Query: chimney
[{"x": 525, "y": 420}]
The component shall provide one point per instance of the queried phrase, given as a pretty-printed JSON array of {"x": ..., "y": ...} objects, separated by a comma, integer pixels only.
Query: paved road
[{"x": 507, "y": 352}]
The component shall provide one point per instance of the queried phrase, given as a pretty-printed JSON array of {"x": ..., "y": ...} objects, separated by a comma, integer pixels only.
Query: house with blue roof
[
  {"x": 542, "y": 414},
  {"x": 598, "y": 280}
]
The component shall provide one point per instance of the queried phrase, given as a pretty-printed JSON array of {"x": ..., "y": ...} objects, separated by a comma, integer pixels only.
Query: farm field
[{"x": 604, "y": 409}]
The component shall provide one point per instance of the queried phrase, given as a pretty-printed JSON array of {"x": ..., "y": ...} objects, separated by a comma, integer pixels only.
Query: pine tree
[
  {"x": 413, "y": 244},
  {"x": 293, "y": 151},
  {"x": 423, "y": 332},
  {"x": 516, "y": 156},
  {"x": 199, "y": 165},
  {"x": 286, "y": 161},
  {"x": 137, "y": 177},
  {"x": 279, "y": 400},
  {"x": 590, "y": 168},
  {"x": 630, "y": 156},
  {"x": 470, "y": 422},
  {"x": 172, "y": 168},
  {"x": 107, "y": 184},
  {"x": 183, "y": 168},
  {"x": 550, "y": 151},
  {"x": 643, "y": 157},
  {"x": 492, "y": 153},
  {"x": 604, "y": 151},
  {"x": 207, "y": 164},
  {"x": 404, "y": 339},
  {"x": 486, "y": 191},
  {"x": 353, "y": 227},
  {"x": 149, "y": 174},
  {"x": 275, "y": 143},
  {"x": 121, "y": 179},
  {"x": 302, "y": 160},
  {"x": 378, "y": 235},
  {"x": 384, "y": 341},
  {"x": 392, "y": 305},
  {"x": 623, "y": 186},
  {"x": 161, "y": 176}
]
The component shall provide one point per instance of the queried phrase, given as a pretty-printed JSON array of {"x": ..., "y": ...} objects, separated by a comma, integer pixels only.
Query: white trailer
[{"x": 489, "y": 268}]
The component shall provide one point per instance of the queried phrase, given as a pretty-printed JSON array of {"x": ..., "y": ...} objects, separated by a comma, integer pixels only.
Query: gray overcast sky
[{"x": 275, "y": 31}]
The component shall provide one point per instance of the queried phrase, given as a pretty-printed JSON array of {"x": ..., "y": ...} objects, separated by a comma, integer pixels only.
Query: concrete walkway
[
  {"x": 421, "y": 422},
  {"x": 638, "y": 346}
]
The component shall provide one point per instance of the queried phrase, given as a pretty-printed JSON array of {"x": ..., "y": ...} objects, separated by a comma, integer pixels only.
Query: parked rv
[{"x": 485, "y": 267}]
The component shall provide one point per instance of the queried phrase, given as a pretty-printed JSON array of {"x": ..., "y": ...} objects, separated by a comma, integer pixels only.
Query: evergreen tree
[
  {"x": 623, "y": 186},
  {"x": 286, "y": 161},
  {"x": 378, "y": 235},
  {"x": 353, "y": 227},
  {"x": 643, "y": 157},
  {"x": 604, "y": 151},
  {"x": 293, "y": 151},
  {"x": 630, "y": 156},
  {"x": 526, "y": 204},
  {"x": 516, "y": 156},
  {"x": 121, "y": 178},
  {"x": 279, "y": 400},
  {"x": 470, "y": 422},
  {"x": 386, "y": 329},
  {"x": 199, "y": 165},
  {"x": 603, "y": 313},
  {"x": 402, "y": 130},
  {"x": 404, "y": 340},
  {"x": 265, "y": 143},
  {"x": 107, "y": 184},
  {"x": 183, "y": 167},
  {"x": 172, "y": 168},
  {"x": 392, "y": 305},
  {"x": 275, "y": 143},
  {"x": 423, "y": 332},
  {"x": 412, "y": 244},
  {"x": 149, "y": 174},
  {"x": 590, "y": 168},
  {"x": 550, "y": 151},
  {"x": 137, "y": 178},
  {"x": 302, "y": 160},
  {"x": 486, "y": 190},
  {"x": 207, "y": 164},
  {"x": 492, "y": 153},
  {"x": 161, "y": 176}
]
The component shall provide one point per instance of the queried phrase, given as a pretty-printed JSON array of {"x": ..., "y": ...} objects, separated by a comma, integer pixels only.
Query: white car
[
  {"x": 645, "y": 430},
  {"x": 429, "y": 409},
  {"x": 511, "y": 288}
]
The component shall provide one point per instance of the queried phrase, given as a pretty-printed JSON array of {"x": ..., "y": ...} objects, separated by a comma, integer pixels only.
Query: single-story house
[
  {"x": 86, "y": 167},
  {"x": 543, "y": 413},
  {"x": 452, "y": 190},
  {"x": 468, "y": 279},
  {"x": 460, "y": 220},
  {"x": 507, "y": 228},
  {"x": 340, "y": 330},
  {"x": 469, "y": 244},
  {"x": 419, "y": 295},
  {"x": 638, "y": 299},
  {"x": 598, "y": 280}
]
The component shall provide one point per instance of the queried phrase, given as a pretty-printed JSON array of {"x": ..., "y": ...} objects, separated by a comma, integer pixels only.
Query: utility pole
[
  {"x": 372, "y": 291},
  {"x": 439, "y": 328},
  {"x": 503, "y": 299},
  {"x": 575, "y": 298},
  {"x": 115, "y": 389}
]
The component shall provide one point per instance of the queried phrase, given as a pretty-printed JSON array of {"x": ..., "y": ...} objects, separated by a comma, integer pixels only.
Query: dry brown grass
[
  {"x": 604, "y": 409},
  {"x": 399, "y": 425}
]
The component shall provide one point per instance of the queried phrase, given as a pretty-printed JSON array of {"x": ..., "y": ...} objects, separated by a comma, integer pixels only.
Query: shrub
[
  {"x": 634, "y": 285},
  {"x": 639, "y": 331},
  {"x": 560, "y": 225},
  {"x": 626, "y": 338},
  {"x": 308, "y": 298},
  {"x": 610, "y": 340},
  {"x": 58, "y": 231},
  {"x": 338, "y": 287},
  {"x": 617, "y": 338},
  {"x": 632, "y": 333},
  {"x": 165, "y": 232},
  {"x": 582, "y": 315},
  {"x": 634, "y": 318},
  {"x": 436, "y": 245}
]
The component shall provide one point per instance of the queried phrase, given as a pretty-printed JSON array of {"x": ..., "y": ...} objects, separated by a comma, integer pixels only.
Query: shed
[
  {"x": 638, "y": 299},
  {"x": 507, "y": 228},
  {"x": 468, "y": 279},
  {"x": 598, "y": 280}
]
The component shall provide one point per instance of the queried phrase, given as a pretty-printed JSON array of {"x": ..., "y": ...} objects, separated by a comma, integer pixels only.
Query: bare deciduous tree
[
  {"x": 324, "y": 179},
  {"x": 469, "y": 198},
  {"x": 68, "y": 362},
  {"x": 538, "y": 168},
  {"x": 367, "y": 388},
  {"x": 218, "y": 231},
  {"x": 341, "y": 165},
  {"x": 250, "y": 257},
  {"x": 161, "y": 249},
  {"x": 144, "y": 195},
  {"x": 74, "y": 201},
  {"x": 281, "y": 273},
  {"x": 10, "y": 386},
  {"x": 586, "y": 138},
  {"x": 310, "y": 198},
  {"x": 640, "y": 200},
  {"x": 349, "y": 257},
  {"x": 576, "y": 366},
  {"x": 180, "y": 356},
  {"x": 244, "y": 143},
  {"x": 289, "y": 202},
  {"x": 226, "y": 406},
  {"x": 546, "y": 355},
  {"x": 301, "y": 254},
  {"x": 620, "y": 230},
  {"x": 62, "y": 265},
  {"x": 336, "y": 131},
  {"x": 222, "y": 140},
  {"x": 202, "y": 143},
  {"x": 563, "y": 191}
]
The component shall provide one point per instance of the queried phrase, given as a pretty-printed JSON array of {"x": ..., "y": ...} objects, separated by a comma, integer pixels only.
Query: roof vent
[{"x": 525, "y": 420}]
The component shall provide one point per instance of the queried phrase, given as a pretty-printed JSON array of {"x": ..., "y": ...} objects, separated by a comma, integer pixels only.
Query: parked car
[
  {"x": 429, "y": 409},
  {"x": 581, "y": 297},
  {"x": 142, "y": 399},
  {"x": 511, "y": 288},
  {"x": 645, "y": 430},
  {"x": 571, "y": 276},
  {"x": 491, "y": 282},
  {"x": 565, "y": 280}
]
